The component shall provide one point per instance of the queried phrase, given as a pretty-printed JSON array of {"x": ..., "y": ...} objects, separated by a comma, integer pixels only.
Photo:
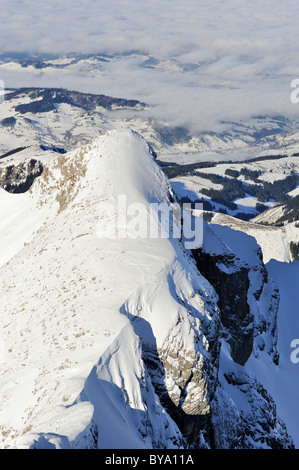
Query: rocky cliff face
[
  {"x": 255, "y": 424},
  {"x": 18, "y": 178},
  {"x": 232, "y": 290},
  {"x": 248, "y": 303}
]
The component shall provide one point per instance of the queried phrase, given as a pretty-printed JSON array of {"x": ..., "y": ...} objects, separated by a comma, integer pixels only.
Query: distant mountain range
[{"x": 63, "y": 118}]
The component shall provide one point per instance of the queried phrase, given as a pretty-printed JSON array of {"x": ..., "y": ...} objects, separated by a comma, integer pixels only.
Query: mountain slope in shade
[
  {"x": 283, "y": 381},
  {"x": 119, "y": 342}
]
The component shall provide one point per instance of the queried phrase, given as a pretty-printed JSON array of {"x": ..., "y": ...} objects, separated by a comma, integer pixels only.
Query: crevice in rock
[
  {"x": 19, "y": 178},
  {"x": 232, "y": 289}
]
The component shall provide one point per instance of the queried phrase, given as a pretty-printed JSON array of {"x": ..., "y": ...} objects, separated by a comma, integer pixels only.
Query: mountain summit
[{"x": 116, "y": 339}]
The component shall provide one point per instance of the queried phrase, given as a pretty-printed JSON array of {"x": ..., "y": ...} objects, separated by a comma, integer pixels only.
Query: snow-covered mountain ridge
[{"x": 121, "y": 342}]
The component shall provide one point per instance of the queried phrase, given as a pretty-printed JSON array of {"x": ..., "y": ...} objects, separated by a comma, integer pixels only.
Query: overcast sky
[{"x": 231, "y": 59}]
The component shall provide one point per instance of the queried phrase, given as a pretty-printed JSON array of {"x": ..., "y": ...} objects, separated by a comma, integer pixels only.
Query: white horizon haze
[{"x": 197, "y": 63}]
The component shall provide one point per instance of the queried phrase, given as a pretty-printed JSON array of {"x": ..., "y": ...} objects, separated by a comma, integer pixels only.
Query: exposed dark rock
[
  {"x": 232, "y": 289},
  {"x": 53, "y": 148},
  {"x": 46, "y": 99},
  {"x": 191, "y": 414},
  {"x": 256, "y": 425},
  {"x": 294, "y": 249},
  {"x": 9, "y": 121},
  {"x": 11, "y": 152},
  {"x": 19, "y": 178},
  {"x": 40, "y": 106}
]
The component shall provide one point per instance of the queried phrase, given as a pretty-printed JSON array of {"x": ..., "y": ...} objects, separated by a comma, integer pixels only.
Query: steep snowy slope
[
  {"x": 114, "y": 339},
  {"x": 282, "y": 382},
  {"x": 19, "y": 215},
  {"x": 64, "y": 292},
  {"x": 273, "y": 241}
]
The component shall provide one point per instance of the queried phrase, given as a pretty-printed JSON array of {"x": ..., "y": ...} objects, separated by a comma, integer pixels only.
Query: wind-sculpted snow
[
  {"x": 113, "y": 340},
  {"x": 65, "y": 287}
]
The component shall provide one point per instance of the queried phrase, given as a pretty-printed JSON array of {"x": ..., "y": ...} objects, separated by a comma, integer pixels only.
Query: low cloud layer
[{"x": 197, "y": 62}]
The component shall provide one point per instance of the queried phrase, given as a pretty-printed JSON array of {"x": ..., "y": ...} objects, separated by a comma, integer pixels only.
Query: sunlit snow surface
[
  {"x": 78, "y": 304},
  {"x": 65, "y": 290}
]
